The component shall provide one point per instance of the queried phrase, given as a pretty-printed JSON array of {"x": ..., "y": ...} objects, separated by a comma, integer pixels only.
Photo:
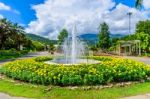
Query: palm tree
[
  {"x": 5, "y": 27},
  {"x": 138, "y": 4}
]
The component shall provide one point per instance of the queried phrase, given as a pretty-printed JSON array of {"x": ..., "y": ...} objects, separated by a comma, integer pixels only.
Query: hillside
[
  {"x": 40, "y": 39},
  {"x": 89, "y": 38},
  {"x": 93, "y": 38}
]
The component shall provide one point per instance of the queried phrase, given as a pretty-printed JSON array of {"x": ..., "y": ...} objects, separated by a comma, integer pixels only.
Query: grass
[{"x": 37, "y": 91}]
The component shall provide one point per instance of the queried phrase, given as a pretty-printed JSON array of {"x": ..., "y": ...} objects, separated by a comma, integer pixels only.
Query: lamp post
[{"x": 129, "y": 14}]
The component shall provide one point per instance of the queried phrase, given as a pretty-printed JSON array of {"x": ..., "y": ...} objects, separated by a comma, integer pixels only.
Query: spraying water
[{"x": 73, "y": 48}]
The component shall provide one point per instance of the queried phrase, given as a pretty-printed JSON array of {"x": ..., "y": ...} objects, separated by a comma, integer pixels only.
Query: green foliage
[
  {"x": 142, "y": 34},
  {"x": 51, "y": 48},
  {"x": 38, "y": 45},
  {"x": 12, "y": 53},
  {"x": 62, "y": 36},
  {"x": 108, "y": 71},
  {"x": 11, "y": 35},
  {"x": 143, "y": 26},
  {"x": 40, "y": 39},
  {"x": 94, "y": 47},
  {"x": 42, "y": 58},
  {"x": 104, "y": 36},
  {"x": 145, "y": 41}
]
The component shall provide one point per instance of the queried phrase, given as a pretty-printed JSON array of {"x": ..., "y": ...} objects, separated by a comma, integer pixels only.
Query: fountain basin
[{"x": 69, "y": 62}]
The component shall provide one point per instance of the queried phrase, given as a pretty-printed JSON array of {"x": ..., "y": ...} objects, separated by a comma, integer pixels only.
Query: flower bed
[{"x": 109, "y": 71}]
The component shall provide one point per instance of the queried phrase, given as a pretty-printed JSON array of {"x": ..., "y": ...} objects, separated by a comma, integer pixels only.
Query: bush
[
  {"x": 12, "y": 52},
  {"x": 42, "y": 58},
  {"x": 114, "y": 70}
]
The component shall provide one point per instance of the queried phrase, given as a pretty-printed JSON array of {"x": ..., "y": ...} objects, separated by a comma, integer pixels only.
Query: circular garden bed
[{"x": 110, "y": 70}]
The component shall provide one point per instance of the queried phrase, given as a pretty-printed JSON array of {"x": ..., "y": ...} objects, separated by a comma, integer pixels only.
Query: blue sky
[
  {"x": 26, "y": 13},
  {"x": 48, "y": 17}
]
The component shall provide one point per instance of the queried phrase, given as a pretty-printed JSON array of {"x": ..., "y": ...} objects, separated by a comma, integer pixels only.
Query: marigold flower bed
[{"x": 108, "y": 71}]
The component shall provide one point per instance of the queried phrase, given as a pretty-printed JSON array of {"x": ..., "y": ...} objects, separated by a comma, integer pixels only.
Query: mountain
[
  {"x": 89, "y": 38},
  {"x": 93, "y": 38},
  {"x": 40, "y": 39}
]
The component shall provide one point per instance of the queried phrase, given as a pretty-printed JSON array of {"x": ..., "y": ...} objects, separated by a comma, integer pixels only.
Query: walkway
[
  {"x": 145, "y": 96},
  {"x": 145, "y": 60},
  {"x": 5, "y": 96},
  {"x": 29, "y": 55}
]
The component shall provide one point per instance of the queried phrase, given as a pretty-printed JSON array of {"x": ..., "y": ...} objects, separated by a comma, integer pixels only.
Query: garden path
[
  {"x": 29, "y": 55},
  {"x": 145, "y": 96},
  {"x": 145, "y": 60},
  {"x": 5, "y": 96}
]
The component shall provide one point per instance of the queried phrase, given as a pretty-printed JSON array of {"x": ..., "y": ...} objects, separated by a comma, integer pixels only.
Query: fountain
[{"x": 73, "y": 49}]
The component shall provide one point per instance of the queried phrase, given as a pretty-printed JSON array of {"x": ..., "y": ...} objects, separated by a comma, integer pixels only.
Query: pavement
[
  {"x": 145, "y": 60},
  {"x": 5, "y": 96},
  {"x": 145, "y": 96}
]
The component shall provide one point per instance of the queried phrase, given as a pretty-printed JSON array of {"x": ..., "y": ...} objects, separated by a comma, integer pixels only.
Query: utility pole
[{"x": 129, "y": 14}]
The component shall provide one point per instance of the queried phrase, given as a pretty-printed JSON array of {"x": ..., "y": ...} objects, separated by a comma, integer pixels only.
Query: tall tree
[
  {"x": 5, "y": 31},
  {"x": 143, "y": 26},
  {"x": 11, "y": 35},
  {"x": 145, "y": 41},
  {"x": 62, "y": 36},
  {"x": 104, "y": 36}
]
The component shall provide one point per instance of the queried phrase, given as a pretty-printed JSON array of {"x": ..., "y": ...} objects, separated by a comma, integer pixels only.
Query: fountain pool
[{"x": 73, "y": 48}]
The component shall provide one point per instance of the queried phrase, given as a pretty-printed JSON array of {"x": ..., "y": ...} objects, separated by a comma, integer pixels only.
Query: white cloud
[
  {"x": 4, "y": 7},
  {"x": 118, "y": 19},
  {"x": 146, "y": 4},
  {"x": 54, "y": 15}
]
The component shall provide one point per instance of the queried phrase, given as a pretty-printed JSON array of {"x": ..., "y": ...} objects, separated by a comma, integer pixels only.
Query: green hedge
[
  {"x": 7, "y": 54},
  {"x": 113, "y": 70},
  {"x": 42, "y": 58}
]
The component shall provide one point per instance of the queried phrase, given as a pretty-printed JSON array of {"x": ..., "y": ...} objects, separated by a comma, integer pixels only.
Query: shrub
[
  {"x": 42, "y": 58},
  {"x": 114, "y": 70}
]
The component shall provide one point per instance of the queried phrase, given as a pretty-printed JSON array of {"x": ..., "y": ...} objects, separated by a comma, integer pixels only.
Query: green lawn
[{"x": 37, "y": 91}]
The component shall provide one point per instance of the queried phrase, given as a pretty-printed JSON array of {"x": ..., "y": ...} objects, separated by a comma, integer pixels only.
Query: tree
[
  {"x": 145, "y": 41},
  {"x": 11, "y": 35},
  {"x": 104, "y": 36},
  {"x": 62, "y": 36},
  {"x": 51, "y": 48},
  {"x": 38, "y": 45},
  {"x": 143, "y": 26}
]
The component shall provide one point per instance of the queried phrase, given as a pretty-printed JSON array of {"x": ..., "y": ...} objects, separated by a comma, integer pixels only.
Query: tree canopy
[
  {"x": 104, "y": 36},
  {"x": 12, "y": 35},
  {"x": 62, "y": 36}
]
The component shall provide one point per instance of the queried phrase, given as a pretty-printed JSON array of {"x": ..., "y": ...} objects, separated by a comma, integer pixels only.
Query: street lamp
[{"x": 129, "y": 14}]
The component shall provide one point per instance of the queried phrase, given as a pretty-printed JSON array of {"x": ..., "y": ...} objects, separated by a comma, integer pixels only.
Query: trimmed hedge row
[
  {"x": 110, "y": 70},
  {"x": 42, "y": 58}
]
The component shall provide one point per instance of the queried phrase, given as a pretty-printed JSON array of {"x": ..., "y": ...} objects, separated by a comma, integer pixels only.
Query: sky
[{"x": 48, "y": 17}]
